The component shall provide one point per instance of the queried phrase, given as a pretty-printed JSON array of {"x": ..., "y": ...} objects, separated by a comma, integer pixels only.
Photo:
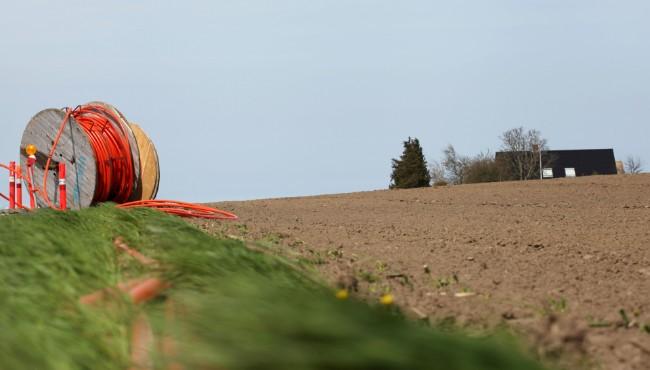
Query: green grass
[{"x": 236, "y": 308}]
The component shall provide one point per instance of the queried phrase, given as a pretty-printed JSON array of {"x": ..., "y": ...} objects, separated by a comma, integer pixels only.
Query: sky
[{"x": 256, "y": 99}]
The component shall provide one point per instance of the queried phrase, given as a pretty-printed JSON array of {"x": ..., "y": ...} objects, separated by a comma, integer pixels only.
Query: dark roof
[{"x": 584, "y": 161}]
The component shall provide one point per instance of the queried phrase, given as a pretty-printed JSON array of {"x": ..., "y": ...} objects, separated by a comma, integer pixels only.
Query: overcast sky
[{"x": 254, "y": 99}]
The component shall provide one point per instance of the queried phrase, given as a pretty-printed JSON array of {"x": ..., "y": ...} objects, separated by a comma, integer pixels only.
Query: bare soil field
[{"x": 565, "y": 263}]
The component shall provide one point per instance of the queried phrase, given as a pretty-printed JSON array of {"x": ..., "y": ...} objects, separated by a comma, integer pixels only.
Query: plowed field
[{"x": 565, "y": 263}]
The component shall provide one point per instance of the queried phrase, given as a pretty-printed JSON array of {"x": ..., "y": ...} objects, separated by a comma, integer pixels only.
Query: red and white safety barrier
[
  {"x": 30, "y": 179},
  {"x": 63, "y": 197},
  {"x": 12, "y": 185},
  {"x": 15, "y": 197},
  {"x": 19, "y": 187}
]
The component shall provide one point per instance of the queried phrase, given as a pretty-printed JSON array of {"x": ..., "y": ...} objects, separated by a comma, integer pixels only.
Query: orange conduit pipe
[
  {"x": 115, "y": 172},
  {"x": 140, "y": 291}
]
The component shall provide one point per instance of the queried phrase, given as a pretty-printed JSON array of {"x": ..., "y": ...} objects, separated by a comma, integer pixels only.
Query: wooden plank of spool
[
  {"x": 74, "y": 149},
  {"x": 149, "y": 165},
  {"x": 135, "y": 153}
]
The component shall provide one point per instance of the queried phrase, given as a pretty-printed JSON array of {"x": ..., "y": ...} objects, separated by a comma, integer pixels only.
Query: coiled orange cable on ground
[
  {"x": 115, "y": 171},
  {"x": 182, "y": 209}
]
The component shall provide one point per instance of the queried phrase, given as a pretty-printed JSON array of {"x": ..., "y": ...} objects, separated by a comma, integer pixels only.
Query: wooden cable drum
[
  {"x": 149, "y": 165},
  {"x": 76, "y": 151}
]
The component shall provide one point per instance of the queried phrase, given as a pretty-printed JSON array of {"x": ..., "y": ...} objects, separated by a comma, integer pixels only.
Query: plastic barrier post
[
  {"x": 63, "y": 197},
  {"x": 19, "y": 187},
  {"x": 12, "y": 185},
  {"x": 30, "y": 176}
]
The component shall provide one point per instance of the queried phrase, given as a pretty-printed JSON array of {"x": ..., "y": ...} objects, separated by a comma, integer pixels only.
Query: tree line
[{"x": 519, "y": 161}]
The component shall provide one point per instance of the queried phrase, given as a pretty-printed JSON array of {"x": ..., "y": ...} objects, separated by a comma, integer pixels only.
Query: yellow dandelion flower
[
  {"x": 387, "y": 299},
  {"x": 342, "y": 294}
]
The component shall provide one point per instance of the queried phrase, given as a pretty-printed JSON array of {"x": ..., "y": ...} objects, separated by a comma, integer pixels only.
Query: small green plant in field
[
  {"x": 265, "y": 243},
  {"x": 241, "y": 228},
  {"x": 274, "y": 238},
  {"x": 557, "y": 305},
  {"x": 270, "y": 240},
  {"x": 445, "y": 281},
  {"x": 624, "y": 317},
  {"x": 378, "y": 288},
  {"x": 401, "y": 279},
  {"x": 646, "y": 328},
  {"x": 442, "y": 283},
  {"x": 314, "y": 261},
  {"x": 296, "y": 243},
  {"x": 311, "y": 258},
  {"x": 368, "y": 277},
  {"x": 335, "y": 253},
  {"x": 381, "y": 266},
  {"x": 597, "y": 323}
]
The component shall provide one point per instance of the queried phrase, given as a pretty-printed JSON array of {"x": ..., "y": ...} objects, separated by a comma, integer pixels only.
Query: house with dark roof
[{"x": 572, "y": 163}]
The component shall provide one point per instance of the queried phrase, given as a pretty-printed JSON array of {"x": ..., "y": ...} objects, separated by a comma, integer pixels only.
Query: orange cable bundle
[{"x": 110, "y": 143}]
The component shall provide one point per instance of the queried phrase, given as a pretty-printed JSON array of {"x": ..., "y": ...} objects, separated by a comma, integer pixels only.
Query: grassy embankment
[{"x": 235, "y": 308}]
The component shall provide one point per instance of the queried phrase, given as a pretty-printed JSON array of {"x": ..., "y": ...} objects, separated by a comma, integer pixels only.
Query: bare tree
[
  {"x": 437, "y": 172},
  {"x": 633, "y": 165},
  {"x": 482, "y": 168},
  {"x": 522, "y": 160},
  {"x": 455, "y": 165}
]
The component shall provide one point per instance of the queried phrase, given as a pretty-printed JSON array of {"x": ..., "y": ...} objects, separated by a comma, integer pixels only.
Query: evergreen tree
[{"x": 410, "y": 170}]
